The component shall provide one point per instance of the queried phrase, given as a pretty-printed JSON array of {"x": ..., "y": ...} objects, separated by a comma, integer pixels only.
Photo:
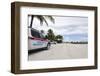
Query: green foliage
[
  {"x": 59, "y": 38},
  {"x": 51, "y": 36}
]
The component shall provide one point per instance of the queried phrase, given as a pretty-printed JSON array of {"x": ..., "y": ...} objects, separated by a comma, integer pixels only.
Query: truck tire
[{"x": 48, "y": 46}]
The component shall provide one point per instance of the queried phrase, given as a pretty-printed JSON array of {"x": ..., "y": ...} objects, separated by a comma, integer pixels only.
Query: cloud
[
  {"x": 70, "y": 25},
  {"x": 71, "y": 29}
]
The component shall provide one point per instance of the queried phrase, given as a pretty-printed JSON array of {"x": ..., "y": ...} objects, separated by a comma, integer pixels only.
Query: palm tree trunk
[{"x": 31, "y": 21}]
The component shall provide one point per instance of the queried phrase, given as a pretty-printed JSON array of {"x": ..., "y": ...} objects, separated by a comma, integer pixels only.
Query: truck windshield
[
  {"x": 42, "y": 36},
  {"x": 35, "y": 33}
]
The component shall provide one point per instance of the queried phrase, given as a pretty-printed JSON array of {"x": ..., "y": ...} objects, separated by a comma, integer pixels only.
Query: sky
[{"x": 71, "y": 28}]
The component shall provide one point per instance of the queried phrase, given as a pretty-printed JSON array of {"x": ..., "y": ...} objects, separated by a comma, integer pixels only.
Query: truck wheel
[{"x": 48, "y": 46}]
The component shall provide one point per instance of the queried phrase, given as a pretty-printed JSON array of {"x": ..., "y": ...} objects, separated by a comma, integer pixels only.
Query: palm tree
[
  {"x": 50, "y": 35},
  {"x": 41, "y": 19},
  {"x": 59, "y": 38}
]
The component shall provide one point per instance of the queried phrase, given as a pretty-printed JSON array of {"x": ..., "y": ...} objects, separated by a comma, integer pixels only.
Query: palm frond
[
  {"x": 42, "y": 19},
  {"x": 51, "y": 18}
]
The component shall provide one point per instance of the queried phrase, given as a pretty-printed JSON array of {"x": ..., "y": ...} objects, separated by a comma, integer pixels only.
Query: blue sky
[
  {"x": 76, "y": 37},
  {"x": 70, "y": 27}
]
